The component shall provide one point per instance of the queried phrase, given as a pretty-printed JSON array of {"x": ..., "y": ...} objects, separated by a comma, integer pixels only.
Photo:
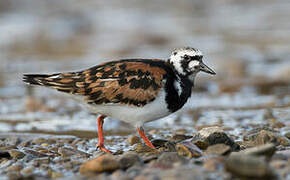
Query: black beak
[{"x": 206, "y": 69}]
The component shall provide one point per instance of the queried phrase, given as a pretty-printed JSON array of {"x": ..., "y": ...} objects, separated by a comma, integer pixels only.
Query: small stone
[
  {"x": 213, "y": 135},
  {"x": 170, "y": 158},
  {"x": 182, "y": 172},
  {"x": 103, "y": 163},
  {"x": 142, "y": 148},
  {"x": 25, "y": 143},
  {"x": 15, "y": 154},
  {"x": 180, "y": 137},
  {"x": 206, "y": 132},
  {"x": 39, "y": 140},
  {"x": 265, "y": 137},
  {"x": 16, "y": 167},
  {"x": 278, "y": 164},
  {"x": 130, "y": 159},
  {"x": 264, "y": 150},
  {"x": 67, "y": 152},
  {"x": 287, "y": 135},
  {"x": 34, "y": 153},
  {"x": 248, "y": 166},
  {"x": 133, "y": 140},
  {"x": 218, "y": 149},
  {"x": 120, "y": 175},
  {"x": 55, "y": 175},
  {"x": 39, "y": 161},
  {"x": 8, "y": 147},
  {"x": 4, "y": 154},
  {"x": 164, "y": 145},
  {"x": 214, "y": 163},
  {"x": 188, "y": 149},
  {"x": 27, "y": 170},
  {"x": 44, "y": 144}
]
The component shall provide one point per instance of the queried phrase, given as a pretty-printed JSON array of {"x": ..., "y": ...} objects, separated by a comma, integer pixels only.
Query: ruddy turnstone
[{"x": 135, "y": 91}]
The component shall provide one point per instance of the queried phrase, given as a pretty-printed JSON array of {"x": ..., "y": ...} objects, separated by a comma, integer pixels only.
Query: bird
[{"x": 135, "y": 91}]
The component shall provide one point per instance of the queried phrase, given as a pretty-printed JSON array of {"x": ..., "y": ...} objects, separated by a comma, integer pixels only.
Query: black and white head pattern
[{"x": 186, "y": 61}]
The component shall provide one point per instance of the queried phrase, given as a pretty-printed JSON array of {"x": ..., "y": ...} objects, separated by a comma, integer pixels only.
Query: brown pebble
[
  {"x": 27, "y": 170},
  {"x": 133, "y": 140},
  {"x": 16, "y": 167},
  {"x": 67, "y": 152},
  {"x": 188, "y": 149},
  {"x": 15, "y": 154},
  {"x": 103, "y": 163},
  {"x": 142, "y": 148}
]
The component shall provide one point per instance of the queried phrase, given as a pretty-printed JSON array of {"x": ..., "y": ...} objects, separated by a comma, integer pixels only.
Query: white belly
[{"x": 134, "y": 115}]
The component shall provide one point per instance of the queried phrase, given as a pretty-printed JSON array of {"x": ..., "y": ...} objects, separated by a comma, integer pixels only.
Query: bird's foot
[{"x": 102, "y": 148}]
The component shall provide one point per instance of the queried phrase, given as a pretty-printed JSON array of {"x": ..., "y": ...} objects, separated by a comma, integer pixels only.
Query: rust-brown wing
[{"x": 132, "y": 82}]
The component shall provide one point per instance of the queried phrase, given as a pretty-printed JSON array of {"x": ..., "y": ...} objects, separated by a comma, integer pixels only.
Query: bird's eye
[{"x": 186, "y": 57}]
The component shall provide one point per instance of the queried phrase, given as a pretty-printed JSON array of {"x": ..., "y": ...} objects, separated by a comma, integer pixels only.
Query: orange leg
[
  {"x": 144, "y": 137},
  {"x": 100, "y": 134}
]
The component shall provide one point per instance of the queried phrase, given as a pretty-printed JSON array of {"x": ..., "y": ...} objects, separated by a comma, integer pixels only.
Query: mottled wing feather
[
  {"x": 123, "y": 82},
  {"x": 133, "y": 83}
]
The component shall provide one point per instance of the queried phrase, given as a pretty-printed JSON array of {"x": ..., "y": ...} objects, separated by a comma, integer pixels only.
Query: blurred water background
[{"x": 246, "y": 42}]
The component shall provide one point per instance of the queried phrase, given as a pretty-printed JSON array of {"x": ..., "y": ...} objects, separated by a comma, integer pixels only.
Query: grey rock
[
  {"x": 242, "y": 165},
  {"x": 264, "y": 150},
  {"x": 218, "y": 149},
  {"x": 170, "y": 158},
  {"x": 130, "y": 159},
  {"x": 213, "y": 135}
]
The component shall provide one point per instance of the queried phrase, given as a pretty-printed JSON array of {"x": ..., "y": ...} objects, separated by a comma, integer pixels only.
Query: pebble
[
  {"x": 214, "y": 163},
  {"x": 40, "y": 161},
  {"x": 265, "y": 137},
  {"x": 5, "y": 154},
  {"x": 16, "y": 167},
  {"x": 218, "y": 149},
  {"x": 67, "y": 152},
  {"x": 180, "y": 137},
  {"x": 213, "y": 135},
  {"x": 27, "y": 170},
  {"x": 103, "y": 163},
  {"x": 248, "y": 166},
  {"x": 133, "y": 140},
  {"x": 188, "y": 149},
  {"x": 130, "y": 159},
  {"x": 16, "y": 154},
  {"x": 142, "y": 148},
  {"x": 264, "y": 150},
  {"x": 170, "y": 158},
  {"x": 287, "y": 135},
  {"x": 164, "y": 145},
  {"x": 120, "y": 175},
  {"x": 34, "y": 153}
]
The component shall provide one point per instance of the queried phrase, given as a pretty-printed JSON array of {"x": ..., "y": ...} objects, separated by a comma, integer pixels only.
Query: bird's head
[{"x": 187, "y": 61}]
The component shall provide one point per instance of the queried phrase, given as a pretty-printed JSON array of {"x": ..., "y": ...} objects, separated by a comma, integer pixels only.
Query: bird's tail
[
  {"x": 64, "y": 82},
  {"x": 38, "y": 79}
]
